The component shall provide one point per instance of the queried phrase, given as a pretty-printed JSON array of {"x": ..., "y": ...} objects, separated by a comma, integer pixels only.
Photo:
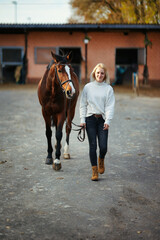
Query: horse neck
[{"x": 51, "y": 83}]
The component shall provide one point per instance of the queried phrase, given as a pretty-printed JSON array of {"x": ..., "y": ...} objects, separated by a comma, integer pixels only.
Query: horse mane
[{"x": 50, "y": 64}]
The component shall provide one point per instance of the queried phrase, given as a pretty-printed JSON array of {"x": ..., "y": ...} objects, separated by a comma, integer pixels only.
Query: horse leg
[
  {"x": 70, "y": 116},
  {"x": 57, "y": 162},
  {"x": 66, "y": 153},
  {"x": 49, "y": 159}
]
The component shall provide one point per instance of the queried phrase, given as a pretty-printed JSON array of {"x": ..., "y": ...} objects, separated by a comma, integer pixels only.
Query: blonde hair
[{"x": 106, "y": 77}]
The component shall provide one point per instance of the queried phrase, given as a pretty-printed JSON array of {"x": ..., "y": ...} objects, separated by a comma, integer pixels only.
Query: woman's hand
[
  {"x": 83, "y": 125},
  {"x": 106, "y": 126}
]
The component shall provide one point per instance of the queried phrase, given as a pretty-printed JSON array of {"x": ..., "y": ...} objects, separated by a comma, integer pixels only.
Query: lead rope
[{"x": 81, "y": 130}]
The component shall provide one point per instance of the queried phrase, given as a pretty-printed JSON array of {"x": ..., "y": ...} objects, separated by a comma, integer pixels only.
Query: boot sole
[{"x": 94, "y": 179}]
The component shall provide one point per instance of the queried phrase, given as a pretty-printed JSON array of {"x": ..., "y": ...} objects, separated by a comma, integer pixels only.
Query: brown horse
[{"x": 58, "y": 92}]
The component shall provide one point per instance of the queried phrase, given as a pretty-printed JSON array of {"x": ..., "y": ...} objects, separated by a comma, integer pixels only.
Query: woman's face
[{"x": 99, "y": 74}]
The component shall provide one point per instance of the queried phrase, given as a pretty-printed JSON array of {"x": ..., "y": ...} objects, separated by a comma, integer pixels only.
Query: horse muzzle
[
  {"x": 70, "y": 90},
  {"x": 69, "y": 94}
]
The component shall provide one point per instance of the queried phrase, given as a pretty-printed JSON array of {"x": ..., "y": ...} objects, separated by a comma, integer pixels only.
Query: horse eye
[{"x": 59, "y": 71}]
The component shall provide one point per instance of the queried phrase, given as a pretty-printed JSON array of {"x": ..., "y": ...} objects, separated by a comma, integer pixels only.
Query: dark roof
[{"x": 21, "y": 28}]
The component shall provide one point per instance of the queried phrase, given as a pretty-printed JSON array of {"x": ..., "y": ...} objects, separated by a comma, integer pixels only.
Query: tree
[{"x": 117, "y": 11}]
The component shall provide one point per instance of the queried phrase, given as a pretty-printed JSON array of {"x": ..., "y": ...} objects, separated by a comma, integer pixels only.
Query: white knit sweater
[{"x": 97, "y": 98}]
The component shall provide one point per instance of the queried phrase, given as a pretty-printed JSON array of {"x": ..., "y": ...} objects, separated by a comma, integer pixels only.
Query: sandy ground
[{"x": 37, "y": 203}]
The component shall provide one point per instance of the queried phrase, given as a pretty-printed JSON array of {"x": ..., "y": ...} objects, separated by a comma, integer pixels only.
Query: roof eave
[{"x": 22, "y": 28}]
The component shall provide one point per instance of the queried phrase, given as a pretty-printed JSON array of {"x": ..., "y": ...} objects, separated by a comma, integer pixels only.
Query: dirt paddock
[
  {"x": 37, "y": 203},
  {"x": 143, "y": 90}
]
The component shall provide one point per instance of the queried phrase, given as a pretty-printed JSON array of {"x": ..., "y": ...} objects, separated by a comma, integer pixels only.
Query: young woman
[{"x": 96, "y": 112}]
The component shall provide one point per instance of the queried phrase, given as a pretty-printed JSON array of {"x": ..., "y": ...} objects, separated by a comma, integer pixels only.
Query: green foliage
[{"x": 117, "y": 11}]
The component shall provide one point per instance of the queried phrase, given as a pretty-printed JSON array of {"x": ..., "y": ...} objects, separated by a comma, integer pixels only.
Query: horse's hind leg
[
  {"x": 66, "y": 153},
  {"x": 70, "y": 116}
]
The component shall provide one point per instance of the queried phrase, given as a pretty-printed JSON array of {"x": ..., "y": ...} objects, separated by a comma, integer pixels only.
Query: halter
[
  {"x": 81, "y": 129},
  {"x": 61, "y": 83}
]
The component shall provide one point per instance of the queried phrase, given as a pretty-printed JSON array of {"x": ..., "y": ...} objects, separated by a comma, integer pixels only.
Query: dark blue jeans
[{"x": 94, "y": 129}]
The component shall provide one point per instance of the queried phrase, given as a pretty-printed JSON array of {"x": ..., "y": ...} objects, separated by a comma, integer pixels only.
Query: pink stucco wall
[
  {"x": 12, "y": 40},
  {"x": 101, "y": 48},
  {"x": 154, "y": 56}
]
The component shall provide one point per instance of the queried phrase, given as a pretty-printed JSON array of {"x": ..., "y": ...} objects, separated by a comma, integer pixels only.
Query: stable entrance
[
  {"x": 11, "y": 64},
  {"x": 127, "y": 61}
]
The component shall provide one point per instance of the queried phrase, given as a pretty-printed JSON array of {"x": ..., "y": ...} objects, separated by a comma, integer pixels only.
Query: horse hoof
[
  {"x": 49, "y": 161},
  {"x": 66, "y": 156},
  {"x": 56, "y": 166}
]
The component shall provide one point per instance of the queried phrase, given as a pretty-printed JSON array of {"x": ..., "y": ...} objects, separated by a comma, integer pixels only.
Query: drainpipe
[
  {"x": 145, "y": 72},
  {"x": 25, "y": 60}
]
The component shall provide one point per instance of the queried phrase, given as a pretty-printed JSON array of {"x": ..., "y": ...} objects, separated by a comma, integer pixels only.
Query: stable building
[{"x": 25, "y": 50}]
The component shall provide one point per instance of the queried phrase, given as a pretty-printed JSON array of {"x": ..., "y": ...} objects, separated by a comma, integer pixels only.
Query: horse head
[{"x": 64, "y": 74}]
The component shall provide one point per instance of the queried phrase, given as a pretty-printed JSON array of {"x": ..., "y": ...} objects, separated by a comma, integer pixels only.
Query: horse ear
[
  {"x": 54, "y": 56},
  {"x": 58, "y": 58},
  {"x": 69, "y": 56}
]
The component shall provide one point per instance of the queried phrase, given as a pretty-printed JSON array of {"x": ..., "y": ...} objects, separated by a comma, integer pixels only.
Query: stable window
[
  {"x": 12, "y": 56},
  {"x": 43, "y": 54}
]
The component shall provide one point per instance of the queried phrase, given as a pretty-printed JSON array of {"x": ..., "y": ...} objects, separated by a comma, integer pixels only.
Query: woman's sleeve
[
  {"x": 109, "y": 106},
  {"x": 83, "y": 106}
]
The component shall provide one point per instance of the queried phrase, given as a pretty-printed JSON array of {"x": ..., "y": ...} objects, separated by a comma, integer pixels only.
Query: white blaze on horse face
[{"x": 69, "y": 78}]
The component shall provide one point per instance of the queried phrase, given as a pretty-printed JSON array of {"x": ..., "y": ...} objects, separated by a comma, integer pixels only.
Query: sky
[{"x": 34, "y": 11}]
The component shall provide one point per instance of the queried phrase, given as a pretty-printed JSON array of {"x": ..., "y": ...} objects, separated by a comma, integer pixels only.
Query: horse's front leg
[
  {"x": 49, "y": 159},
  {"x": 57, "y": 163}
]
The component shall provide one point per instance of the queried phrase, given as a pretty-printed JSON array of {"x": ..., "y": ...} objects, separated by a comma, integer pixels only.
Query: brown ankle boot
[
  {"x": 94, "y": 173},
  {"x": 101, "y": 167}
]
